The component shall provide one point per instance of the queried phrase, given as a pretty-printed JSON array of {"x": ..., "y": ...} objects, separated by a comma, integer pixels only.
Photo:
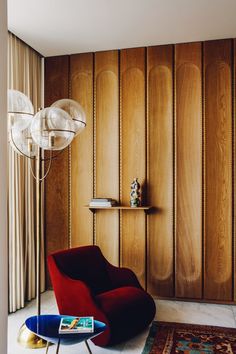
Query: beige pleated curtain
[{"x": 24, "y": 74}]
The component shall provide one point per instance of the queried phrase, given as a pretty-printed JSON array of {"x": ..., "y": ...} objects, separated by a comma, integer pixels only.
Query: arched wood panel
[
  {"x": 234, "y": 165},
  {"x": 133, "y": 157},
  {"x": 81, "y": 76},
  {"x": 160, "y": 170},
  {"x": 56, "y": 183},
  {"x": 107, "y": 150},
  {"x": 218, "y": 175},
  {"x": 188, "y": 171}
]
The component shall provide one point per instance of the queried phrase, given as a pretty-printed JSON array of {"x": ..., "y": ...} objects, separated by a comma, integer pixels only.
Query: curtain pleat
[{"x": 24, "y": 74}]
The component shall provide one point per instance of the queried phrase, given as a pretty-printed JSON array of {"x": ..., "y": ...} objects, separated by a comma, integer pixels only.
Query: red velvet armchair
[{"x": 86, "y": 284}]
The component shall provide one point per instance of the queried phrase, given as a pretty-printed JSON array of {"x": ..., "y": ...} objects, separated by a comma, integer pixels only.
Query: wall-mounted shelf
[{"x": 146, "y": 209}]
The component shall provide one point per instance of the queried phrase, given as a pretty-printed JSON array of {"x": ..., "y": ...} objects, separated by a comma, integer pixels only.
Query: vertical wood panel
[
  {"x": 218, "y": 157},
  {"x": 81, "y": 72},
  {"x": 234, "y": 166},
  {"x": 56, "y": 183},
  {"x": 188, "y": 171},
  {"x": 160, "y": 167},
  {"x": 133, "y": 157},
  {"x": 107, "y": 150}
]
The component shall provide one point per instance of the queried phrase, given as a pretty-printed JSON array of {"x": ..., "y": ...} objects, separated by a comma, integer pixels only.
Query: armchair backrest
[{"x": 86, "y": 264}]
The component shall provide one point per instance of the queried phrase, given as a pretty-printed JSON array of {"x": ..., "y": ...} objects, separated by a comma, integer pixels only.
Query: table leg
[
  {"x": 47, "y": 347},
  {"x": 87, "y": 345},
  {"x": 58, "y": 346}
]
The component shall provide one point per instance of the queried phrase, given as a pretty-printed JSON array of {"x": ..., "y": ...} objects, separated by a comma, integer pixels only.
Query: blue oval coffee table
[{"x": 47, "y": 328}]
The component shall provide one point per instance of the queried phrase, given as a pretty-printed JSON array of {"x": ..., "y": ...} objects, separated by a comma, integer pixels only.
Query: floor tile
[{"x": 196, "y": 313}]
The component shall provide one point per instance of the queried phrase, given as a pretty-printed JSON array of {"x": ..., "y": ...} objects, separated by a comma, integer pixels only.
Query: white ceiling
[{"x": 56, "y": 27}]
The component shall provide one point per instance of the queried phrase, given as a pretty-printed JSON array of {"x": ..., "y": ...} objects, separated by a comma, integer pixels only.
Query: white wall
[{"x": 3, "y": 177}]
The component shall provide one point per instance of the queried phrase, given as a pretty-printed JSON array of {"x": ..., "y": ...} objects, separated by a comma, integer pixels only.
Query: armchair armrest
[
  {"x": 74, "y": 298},
  {"x": 122, "y": 277}
]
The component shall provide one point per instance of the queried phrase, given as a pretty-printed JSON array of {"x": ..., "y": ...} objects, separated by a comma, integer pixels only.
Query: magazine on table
[{"x": 73, "y": 324}]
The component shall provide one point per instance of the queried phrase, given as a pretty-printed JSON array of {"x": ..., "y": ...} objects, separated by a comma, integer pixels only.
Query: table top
[{"x": 47, "y": 327}]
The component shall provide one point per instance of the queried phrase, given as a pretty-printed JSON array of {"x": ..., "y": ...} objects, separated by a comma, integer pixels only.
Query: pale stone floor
[{"x": 169, "y": 311}]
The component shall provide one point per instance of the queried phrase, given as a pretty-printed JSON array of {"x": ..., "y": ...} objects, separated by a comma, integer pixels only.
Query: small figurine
[{"x": 135, "y": 196}]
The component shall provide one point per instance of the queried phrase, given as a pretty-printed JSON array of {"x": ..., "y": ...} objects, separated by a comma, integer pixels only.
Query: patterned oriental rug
[{"x": 183, "y": 338}]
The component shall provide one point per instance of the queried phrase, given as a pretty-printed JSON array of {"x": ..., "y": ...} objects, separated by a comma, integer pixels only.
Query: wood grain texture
[
  {"x": 234, "y": 166},
  {"x": 107, "y": 150},
  {"x": 133, "y": 157},
  {"x": 160, "y": 170},
  {"x": 56, "y": 183},
  {"x": 176, "y": 267},
  {"x": 81, "y": 76},
  {"x": 218, "y": 175},
  {"x": 188, "y": 171}
]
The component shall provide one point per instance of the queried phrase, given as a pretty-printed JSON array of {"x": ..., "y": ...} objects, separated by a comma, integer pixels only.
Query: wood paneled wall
[
  {"x": 81, "y": 158},
  {"x": 57, "y": 182},
  {"x": 164, "y": 114},
  {"x": 160, "y": 160},
  {"x": 188, "y": 170},
  {"x": 106, "y": 150},
  {"x": 133, "y": 157},
  {"x": 218, "y": 172}
]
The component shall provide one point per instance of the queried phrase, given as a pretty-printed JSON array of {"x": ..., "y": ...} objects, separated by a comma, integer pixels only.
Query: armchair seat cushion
[{"x": 128, "y": 310}]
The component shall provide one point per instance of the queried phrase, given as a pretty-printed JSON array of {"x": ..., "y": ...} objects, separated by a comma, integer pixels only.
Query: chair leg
[
  {"x": 47, "y": 347},
  {"x": 87, "y": 345},
  {"x": 58, "y": 346}
]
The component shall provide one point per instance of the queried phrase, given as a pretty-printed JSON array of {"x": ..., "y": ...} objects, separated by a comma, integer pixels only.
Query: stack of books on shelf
[{"x": 102, "y": 202}]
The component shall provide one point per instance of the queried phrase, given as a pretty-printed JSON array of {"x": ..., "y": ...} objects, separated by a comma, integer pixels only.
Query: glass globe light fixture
[
  {"x": 21, "y": 141},
  {"x": 52, "y": 129},
  {"x": 75, "y": 110},
  {"x": 20, "y": 110}
]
